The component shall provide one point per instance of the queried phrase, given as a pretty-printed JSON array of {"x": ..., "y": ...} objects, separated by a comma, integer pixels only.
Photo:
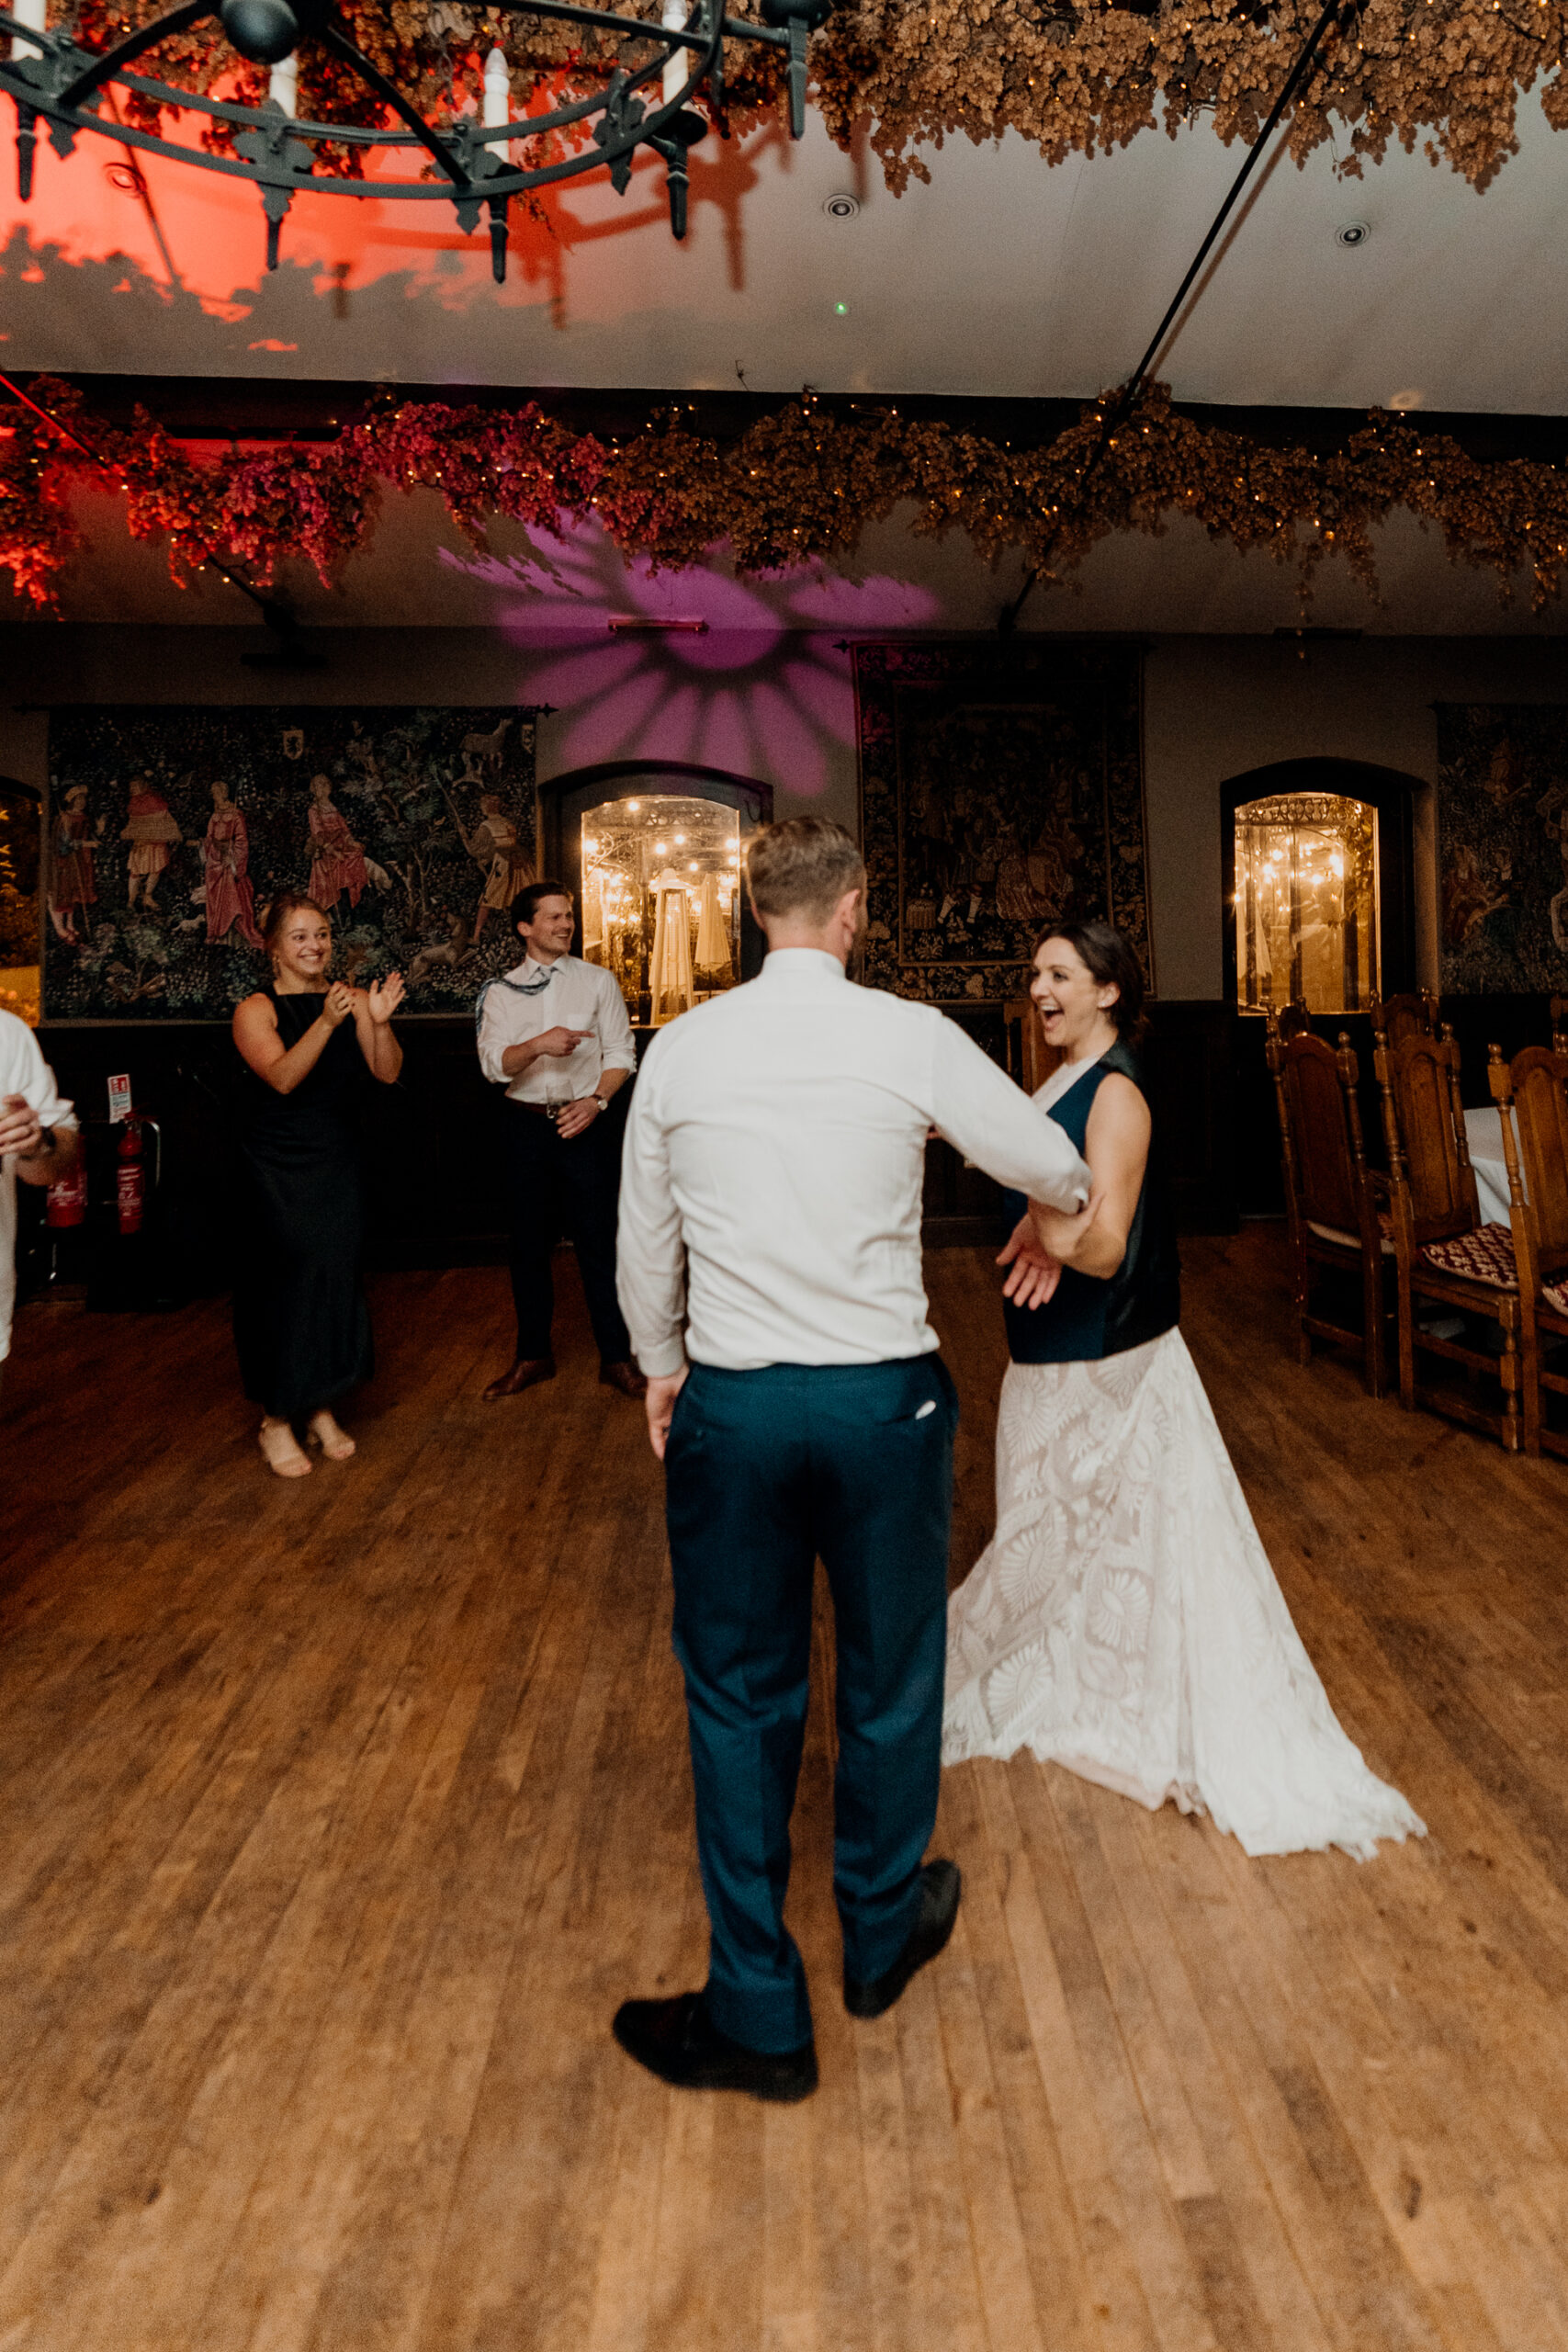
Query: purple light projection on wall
[{"x": 763, "y": 693}]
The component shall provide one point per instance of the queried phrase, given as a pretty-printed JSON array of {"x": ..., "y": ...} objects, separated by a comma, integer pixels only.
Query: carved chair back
[
  {"x": 1535, "y": 1084},
  {"x": 1398, "y": 1017},
  {"x": 1428, "y": 1154},
  {"x": 1290, "y": 1020},
  {"x": 1320, "y": 1128}
]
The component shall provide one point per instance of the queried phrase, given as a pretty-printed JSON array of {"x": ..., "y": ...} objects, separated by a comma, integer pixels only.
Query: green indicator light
[{"x": 841, "y": 309}]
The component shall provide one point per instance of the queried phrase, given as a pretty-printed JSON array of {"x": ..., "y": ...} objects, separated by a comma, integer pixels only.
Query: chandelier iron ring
[{"x": 48, "y": 77}]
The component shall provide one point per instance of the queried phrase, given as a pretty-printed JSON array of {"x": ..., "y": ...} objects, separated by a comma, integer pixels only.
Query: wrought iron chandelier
[{"x": 467, "y": 163}]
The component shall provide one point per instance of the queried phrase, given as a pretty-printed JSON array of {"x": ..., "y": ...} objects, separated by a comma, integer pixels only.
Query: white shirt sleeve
[
  {"x": 615, "y": 1030},
  {"x": 493, "y": 1037},
  {"x": 993, "y": 1123},
  {"x": 650, "y": 1258},
  {"x": 25, "y": 1071}
]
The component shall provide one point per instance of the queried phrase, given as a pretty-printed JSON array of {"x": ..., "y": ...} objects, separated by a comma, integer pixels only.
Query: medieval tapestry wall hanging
[
  {"x": 171, "y": 830},
  {"x": 1503, "y": 846},
  {"x": 1001, "y": 788}
]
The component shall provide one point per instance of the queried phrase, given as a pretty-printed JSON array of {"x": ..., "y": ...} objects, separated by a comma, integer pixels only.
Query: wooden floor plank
[{"x": 336, "y": 1820}]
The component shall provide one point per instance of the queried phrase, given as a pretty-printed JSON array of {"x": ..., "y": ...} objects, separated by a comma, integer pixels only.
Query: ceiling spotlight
[
  {"x": 842, "y": 207},
  {"x": 1353, "y": 233}
]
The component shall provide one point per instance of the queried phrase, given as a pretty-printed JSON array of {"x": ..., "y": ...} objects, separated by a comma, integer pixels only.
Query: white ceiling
[{"x": 1002, "y": 277}]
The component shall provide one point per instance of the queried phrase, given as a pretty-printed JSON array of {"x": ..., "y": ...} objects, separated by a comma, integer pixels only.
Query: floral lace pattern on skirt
[{"x": 1124, "y": 1619}]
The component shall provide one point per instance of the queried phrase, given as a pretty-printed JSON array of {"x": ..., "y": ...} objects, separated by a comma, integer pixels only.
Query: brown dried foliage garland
[{"x": 1072, "y": 76}]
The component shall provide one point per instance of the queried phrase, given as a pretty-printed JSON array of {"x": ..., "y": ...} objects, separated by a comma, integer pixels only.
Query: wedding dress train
[{"x": 1124, "y": 1620}]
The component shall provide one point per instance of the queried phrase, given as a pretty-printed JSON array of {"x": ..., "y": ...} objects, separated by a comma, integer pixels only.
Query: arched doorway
[
  {"x": 650, "y": 849},
  {"x": 1318, "y": 907}
]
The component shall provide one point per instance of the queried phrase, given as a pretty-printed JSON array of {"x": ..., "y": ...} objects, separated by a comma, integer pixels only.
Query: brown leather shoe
[
  {"x": 625, "y": 1377},
  {"x": 527, "y": 1373}
]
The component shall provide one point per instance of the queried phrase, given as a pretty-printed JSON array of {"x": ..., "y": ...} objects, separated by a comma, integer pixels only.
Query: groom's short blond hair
[{"x": 802, "y": 866}]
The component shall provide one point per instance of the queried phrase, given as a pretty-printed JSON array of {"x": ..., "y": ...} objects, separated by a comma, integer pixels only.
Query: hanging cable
[{"x": 1116, "y": 411}]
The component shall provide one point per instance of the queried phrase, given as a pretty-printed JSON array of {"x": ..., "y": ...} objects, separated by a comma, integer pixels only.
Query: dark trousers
[
  {"x": 765, "y": 1471},
  {"x": 555, "y": 1187}
]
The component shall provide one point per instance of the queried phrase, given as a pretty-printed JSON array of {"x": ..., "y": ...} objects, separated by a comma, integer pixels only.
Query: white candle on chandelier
[
  {"x": 677, "y": 70},
  {"x": 283, "y": 85},
  {"x": 33, "y": 13},
  {"x": 498, "y": 90}
]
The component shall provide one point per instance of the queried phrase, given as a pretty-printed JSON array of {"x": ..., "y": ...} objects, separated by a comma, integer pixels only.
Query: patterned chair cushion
[
  {"x": 1556, "y": 1294},
  {"x": 1484, "y": 1256}
]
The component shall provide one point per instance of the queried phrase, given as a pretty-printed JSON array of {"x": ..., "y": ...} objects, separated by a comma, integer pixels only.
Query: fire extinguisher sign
[{"x": 119, "y": 1098}]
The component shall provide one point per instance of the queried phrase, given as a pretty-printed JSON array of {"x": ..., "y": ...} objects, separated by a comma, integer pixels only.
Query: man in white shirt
[
  {"x": 38, "y": 1143},
  {"x": 554, "y": 1033},
  {"x": 770, "y": 1271}
]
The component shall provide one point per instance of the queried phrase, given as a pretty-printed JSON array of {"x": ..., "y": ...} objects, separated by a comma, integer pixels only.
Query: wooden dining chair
[
  {"x": 1335, "y": 1207},
  {"x": 1292, "y": 1019},
  {"x": 1443, "y": 1255},
  {"x": 1029, "y": 1058},
  {"x": 1414, "y": 1013},
  {"x": 1532, "y": 1095}
]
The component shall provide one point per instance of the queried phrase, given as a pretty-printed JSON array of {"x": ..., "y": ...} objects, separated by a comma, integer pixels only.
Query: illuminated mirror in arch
[
  {"x": 20, "y": 914},
  {"x": 661, "y": 899},
  {"x": 1306, "y": 902},
  {"x": 652, "y": 851}
]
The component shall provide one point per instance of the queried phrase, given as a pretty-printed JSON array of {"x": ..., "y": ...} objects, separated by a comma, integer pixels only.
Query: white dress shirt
[
  {"x": 775, "y": 1163},
  {"x": 23, "y": 1070},
  {"x": 570, "y": 994}
]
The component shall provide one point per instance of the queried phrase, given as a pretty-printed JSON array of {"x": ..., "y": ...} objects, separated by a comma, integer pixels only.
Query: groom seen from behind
[{"x": 769, "y": 1275}]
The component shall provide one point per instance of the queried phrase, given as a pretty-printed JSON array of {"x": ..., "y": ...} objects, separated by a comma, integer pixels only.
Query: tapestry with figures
[
  {"x": 1503, "y": 846},
  {"x": 170, "y": 829},
  {"x": 1001, "y": 788}
]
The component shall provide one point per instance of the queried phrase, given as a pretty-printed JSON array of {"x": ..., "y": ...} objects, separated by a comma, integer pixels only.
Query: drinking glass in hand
[{"x": 557, "y": 1094}]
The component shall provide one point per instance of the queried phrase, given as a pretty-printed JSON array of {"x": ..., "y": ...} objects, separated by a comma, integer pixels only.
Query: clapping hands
[{"x": 383, "y": 997}]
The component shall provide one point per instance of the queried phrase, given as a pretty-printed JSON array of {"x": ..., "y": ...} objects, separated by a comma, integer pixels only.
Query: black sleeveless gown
[{"x": 301, "y": 1327}]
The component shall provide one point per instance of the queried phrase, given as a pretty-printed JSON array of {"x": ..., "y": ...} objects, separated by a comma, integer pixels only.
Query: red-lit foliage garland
[{"x": 797, "y": 485}]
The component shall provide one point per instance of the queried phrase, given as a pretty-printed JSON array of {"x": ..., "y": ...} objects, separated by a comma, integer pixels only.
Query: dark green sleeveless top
[{"x": 1088, "y": 1320}]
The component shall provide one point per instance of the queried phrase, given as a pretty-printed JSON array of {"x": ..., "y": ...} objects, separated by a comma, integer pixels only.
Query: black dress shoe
[
  {"x": 625, "y": 1377},
  {"x": 677, "y": 2041},
  {"x": 941, "y": 1886},
  {"x": 527, "y": 1373}
]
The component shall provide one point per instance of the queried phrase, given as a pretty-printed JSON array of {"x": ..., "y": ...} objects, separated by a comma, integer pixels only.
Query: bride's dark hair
[{"x": 1111, "y": 958}]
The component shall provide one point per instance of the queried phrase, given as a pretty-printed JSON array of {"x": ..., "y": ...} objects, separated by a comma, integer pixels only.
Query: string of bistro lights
[{"x": 797, "y": 486}]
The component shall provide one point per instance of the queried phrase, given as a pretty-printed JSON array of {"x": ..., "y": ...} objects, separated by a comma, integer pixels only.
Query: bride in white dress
[{"x": 1124, "y": 1620}]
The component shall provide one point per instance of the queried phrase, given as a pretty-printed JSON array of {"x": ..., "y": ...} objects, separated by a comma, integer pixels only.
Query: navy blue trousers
[{"x": 766, "y": 1472}]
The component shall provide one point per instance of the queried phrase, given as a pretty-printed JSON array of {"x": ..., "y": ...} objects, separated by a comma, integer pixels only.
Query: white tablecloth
[{"x": 1483, "y": 1131}]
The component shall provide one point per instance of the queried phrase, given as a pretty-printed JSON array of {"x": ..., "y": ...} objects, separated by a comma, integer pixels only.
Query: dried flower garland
[
  {"x": 1073, "y": 76},
  {"x": 797, "y": 485}
]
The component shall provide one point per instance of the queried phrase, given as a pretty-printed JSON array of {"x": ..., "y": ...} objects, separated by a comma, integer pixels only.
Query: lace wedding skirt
[{"x": 1124, "y": 1619}]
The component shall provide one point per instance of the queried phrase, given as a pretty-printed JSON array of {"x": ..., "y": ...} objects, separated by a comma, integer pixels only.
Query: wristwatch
[{"x": 603, "y": 1101}]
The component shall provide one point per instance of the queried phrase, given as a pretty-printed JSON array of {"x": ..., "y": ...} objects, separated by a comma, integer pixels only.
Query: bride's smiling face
[{"x": 1072, "y": 1004}]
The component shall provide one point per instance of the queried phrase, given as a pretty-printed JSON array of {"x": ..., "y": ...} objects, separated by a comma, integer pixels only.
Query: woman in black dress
[{"x": 300, "y": 1322}]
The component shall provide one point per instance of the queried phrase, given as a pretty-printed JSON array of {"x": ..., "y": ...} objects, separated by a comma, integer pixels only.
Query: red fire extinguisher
[
  {"x": 131, "y": 1177},
  {"x": 65, "y": 1203}
]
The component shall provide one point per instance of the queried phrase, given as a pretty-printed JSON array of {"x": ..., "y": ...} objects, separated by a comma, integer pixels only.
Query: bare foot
[
  {"x": 283, "y": 1450},
  {"x": 335, "y": 1442}
]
